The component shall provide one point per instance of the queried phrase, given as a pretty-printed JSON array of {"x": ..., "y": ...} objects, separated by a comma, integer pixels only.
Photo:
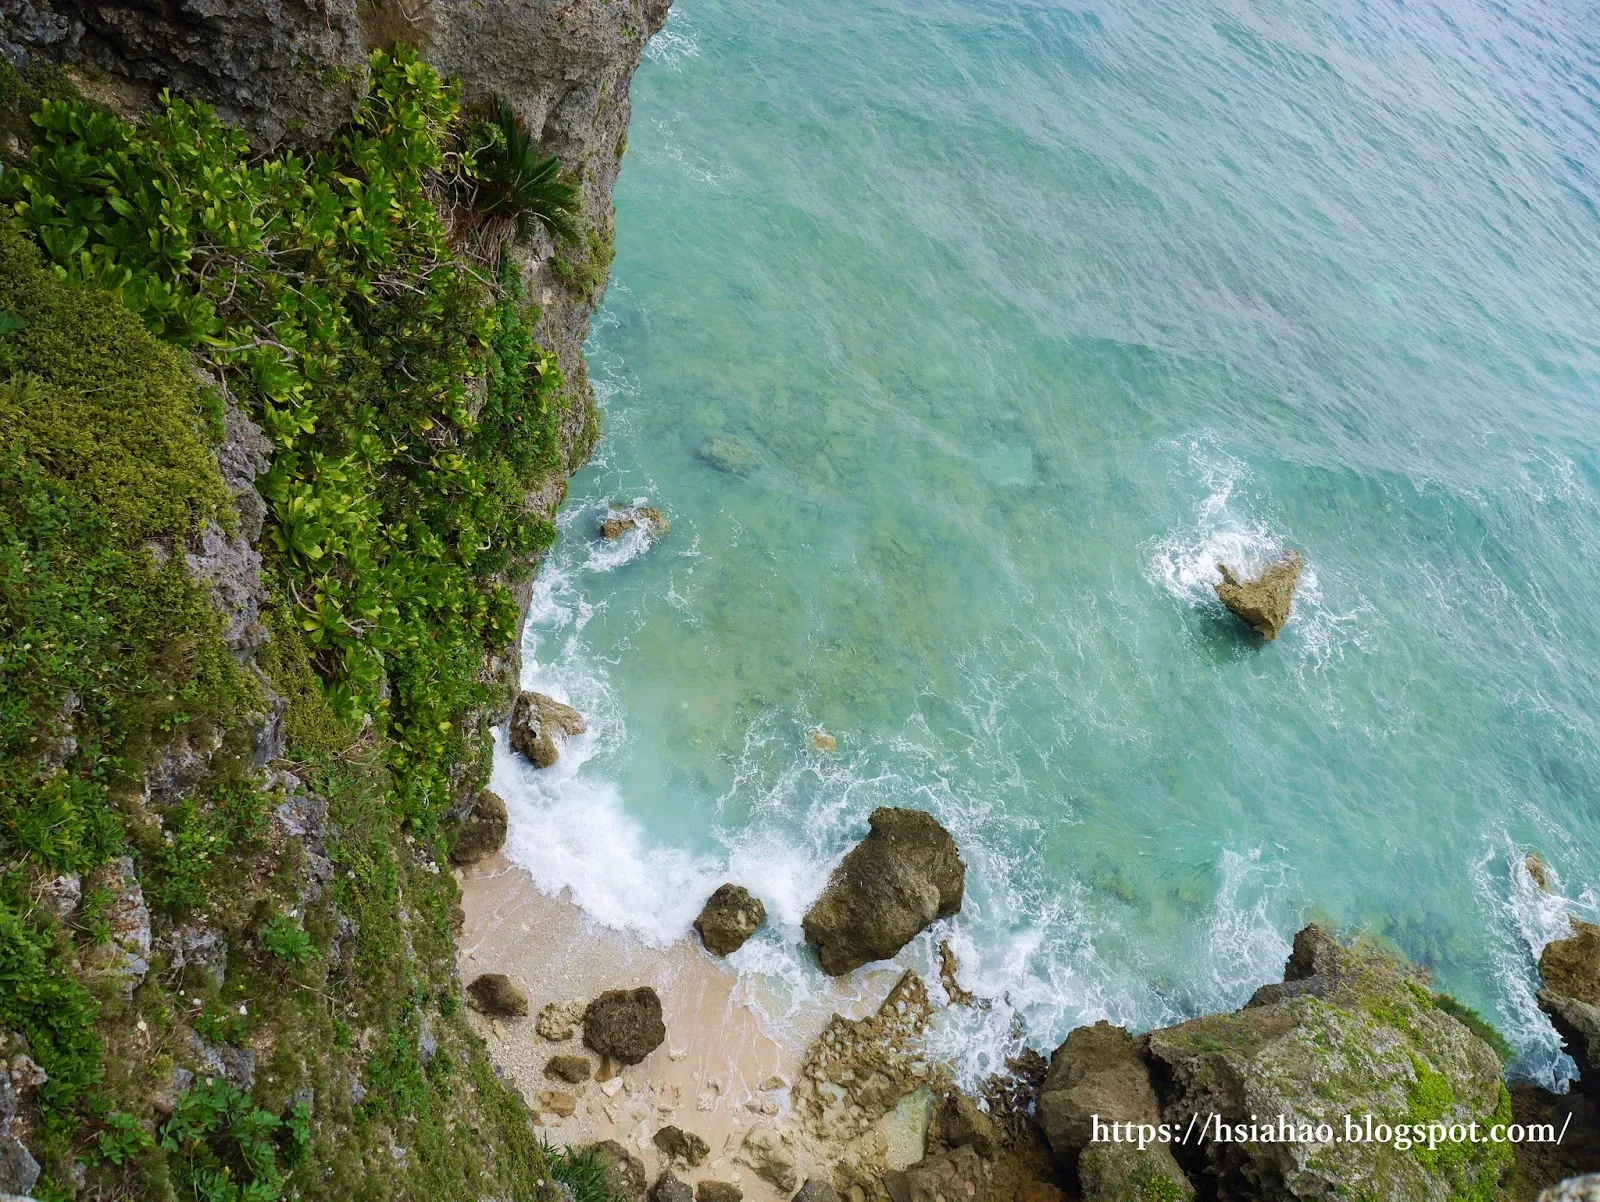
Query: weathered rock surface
[
  {"x": 685, "y": 1146},
  {"x": 729, "y": 918},
  {"x": 624, "y": 1178},
  {"x": 1574, "y": 1189},
  {"x": 903, "y": 876},
  {"x": 1541, "y": 1164},
  {"x": 1350, "y": 1030},
  {"x": 496, "y": 995},
  {"x": 483, "y": 831},
  {"x": 951, "y": 1177},
  {"x": 558, "y": 1021},
  {"x": 669, "y": 1188},
  {"x": 618, "y": 522},
  {"x": 572, "y": 1069},
  {"x": 1264, "y": 601},
  {"x": 126, "y": 958},
  {"x": 816, "y": 1190},
  {"x": 959, "y": 1123},
  {"x": 769, "y": 1156},
  {"x": 1570, "y": 995},
  {"x": 536, "y": 721},
  {"x": 718, "y": 1191},
  {"x": 624, "y": 1024},
  {"x": 1098, "y": 1073},
  {"x": 729, "y": 453}
]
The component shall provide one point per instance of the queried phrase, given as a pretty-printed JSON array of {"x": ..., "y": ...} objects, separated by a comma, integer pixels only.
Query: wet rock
[
  {"x": 903, "y": 876},
  {"x": 769, "y": 1156},
  {"x": 624, "y": 1176},
  {"x": 953, "y": 1177},
  {"x": 816, "y": 1189},
  {"x": 728, "y": 453},
  {"x": 537, "y": 721},
  {"x": 483, "y": 831},
  {"x": 959, "y": 1123},
  {"x": 574, "y": 1070},
  {"x": 624, "y": 1024},
  {"x": 670, "y": 1189},
  {"x": 948, "y": 968},
  {"x": 1351, "y": 1031},
  {"x": 1264, "y": 601},
  {"x": 1574, "y": 1189},
  {"x": 730, "y": 917},
  {"x": 718, "y": 1191},
  {"x": 680, "y": 1145},
  {"x": 494, "y": 994},
  {"x": 126, "y": 958},
  {"x": 558, "y": 1021},
  {"x": 1536, "y": 870},
  {"x": 822, "y": 740},
  {"x": 1570, "y": 995},
  {"x": 618, "y": 521},
  {"x": 1098, "y": 1074}
]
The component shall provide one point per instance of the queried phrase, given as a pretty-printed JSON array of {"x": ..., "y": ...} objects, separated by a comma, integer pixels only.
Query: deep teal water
[{"x": 1032, "y": 313}]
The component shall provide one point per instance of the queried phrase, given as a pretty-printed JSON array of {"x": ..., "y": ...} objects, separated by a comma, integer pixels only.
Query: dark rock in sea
[
  {"x": 618, "y": 522},
  {"x": 678, "y": 1144},
  {"x": 1099, "y": 1073},
  {"x": 624, "y": 1024},
  {"x": 816, "y": 1189},
  {"x": 669, "y": 1188},
  {"x": 482, "y": 832},
  {"x": 730, "y": 454},
  {"x": 729, "y": 918},
  {"x": 494, "y": 994},
  {"x": 1263, "y": 602},
  {"x": 1536, "y": 870},
  {"x": 569, "y": 1068},
  {"x": 536, "y": 720},
  {"x": 624, "y": 1173},
  {"x": 1570, "y": 995},
  {"x": 904, "y": 875},
  {"x": 718, "y": 1191}
]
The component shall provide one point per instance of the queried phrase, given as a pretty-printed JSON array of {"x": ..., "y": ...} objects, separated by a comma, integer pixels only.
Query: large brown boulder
[
  {"x": 730, "y": 917},
  {"x": 1570, "y": 995},
  {"x": 618, "y": 522},
  {"x": 536, "y": 721},
  {"x": 494, "y": 994},
  {"x": 903, "y": 876},
  {"x": 624, "y": 1177},
  {"x": 624, "y": 1024},
  {"x": 482, "y": 832},
  {"x": 1262, "y": 602},
  {"x": 1098, "y": 1077}
]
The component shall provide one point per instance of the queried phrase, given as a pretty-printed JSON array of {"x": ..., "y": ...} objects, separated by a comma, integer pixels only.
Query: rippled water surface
[{"x": 1030, "y": 314}]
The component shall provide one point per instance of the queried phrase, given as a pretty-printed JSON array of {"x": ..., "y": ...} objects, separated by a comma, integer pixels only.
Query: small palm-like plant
[{"x": 519, "y": 185}]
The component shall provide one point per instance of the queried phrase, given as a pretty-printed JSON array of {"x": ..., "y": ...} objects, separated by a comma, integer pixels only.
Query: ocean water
[{"x": 1030, "y": 313}]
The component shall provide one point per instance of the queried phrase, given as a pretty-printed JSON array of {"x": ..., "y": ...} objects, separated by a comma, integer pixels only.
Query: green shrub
[
  {"x": 286, "y": 939},
  {"x": 221, "y": 1146},
  {"x": 518, "y": 183},
  {"x": 1477, "y": 1024}
]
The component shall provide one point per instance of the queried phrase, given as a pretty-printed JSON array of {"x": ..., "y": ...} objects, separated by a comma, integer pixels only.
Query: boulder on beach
[
  {"x": 1570, "y": 995},
  {"x": 536, "y": 720},
  {"x": 718, "y": 1191},
  {"x": 904, "y": 875},
  {"x": 957, "y": 1175},
  {"x": 624, "y": 1178},
  {"x": 731, "y": 454},
  {"x": 574, "y": 1070},
  {"x": 494, "y": 994},
  {"x": 482, "y": 832},
  {"x": 558, "y": 1020},
  {"x": 815, "y": 1189},
  {"x": 669, "y": 1188},
  {"x": 1264, "y": 601},
  {"x": 677, "y": 1144},
  {"x": 621, "y": 519},
  {"x": 729, "y": 918},
  {"x": 624, "y": 1024}
]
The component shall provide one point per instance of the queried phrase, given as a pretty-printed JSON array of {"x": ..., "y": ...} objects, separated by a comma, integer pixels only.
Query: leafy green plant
[
  {"x": 121, "y": 1139},
  {"x": 222, "y": 1146},
  {"x": 580, "y": 1170},
  {"x": 286, "y": 939},
  {"x": 517, "y": 183}
]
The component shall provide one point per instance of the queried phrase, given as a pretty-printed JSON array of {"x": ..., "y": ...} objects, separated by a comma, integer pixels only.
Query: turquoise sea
[{"x": 1031, "y": 312}]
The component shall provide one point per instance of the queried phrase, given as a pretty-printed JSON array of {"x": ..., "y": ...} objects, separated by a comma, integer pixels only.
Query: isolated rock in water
[
  {"x": 1098, "y": 1072},
  {"x": 571, "y": 1069},
  {"x": 816, "y": 1189},
  {"x": 669, "y": 1188},
  {"x": 536, "y": 720},
  {"x": 1574, "y": 1189},
  {"x": 822, "y": 740},
  {"x": 483, "y": 832},
  {"x": 126, "y": 957},
  {"x": 769, "y": 1156},
  {"x": 558, "y": 1020},
  {"x": 729, "y": 918},
  {"x": 624, "y": 1024},
  {"x": 1536, "y": 870},
  {"x": 718, "y": 1191},
  {"x": 494, "y": 994},
  {"x": 729, "y": 454},
  {"x": 618, "y": 521},
  {"x": 624, "y": 1179},
  {"x": 1264, "y": 601},
  {"x": 1350, "y": 1031},
  {"x": 1570, "y": 995},
  {"x": 679, "y": 1144},
  {"x": 904, "y": 875}
]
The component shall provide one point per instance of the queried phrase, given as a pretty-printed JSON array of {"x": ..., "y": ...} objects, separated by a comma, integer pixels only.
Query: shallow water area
[{"x": 1026, "y": 317}]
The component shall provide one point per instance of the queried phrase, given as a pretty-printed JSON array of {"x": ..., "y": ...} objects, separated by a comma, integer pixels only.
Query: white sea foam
[{"x": 675, "y": 43}]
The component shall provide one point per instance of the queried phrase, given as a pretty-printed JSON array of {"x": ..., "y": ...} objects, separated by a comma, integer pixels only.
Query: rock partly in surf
[
  {"x": 1263, "y": 602},
  {"x": 482, "y": 832},
  {"x": 536, "y": 720},
  {"x": 903, "y": 876},
  {"x": 730, "y": 917},
  {"x": 618, "y": 521},
  {"x": 1570, "y": 995}
]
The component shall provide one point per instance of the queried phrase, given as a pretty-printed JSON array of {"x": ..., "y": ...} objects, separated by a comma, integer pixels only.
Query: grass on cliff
[{"x": 411, "y": 411}]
